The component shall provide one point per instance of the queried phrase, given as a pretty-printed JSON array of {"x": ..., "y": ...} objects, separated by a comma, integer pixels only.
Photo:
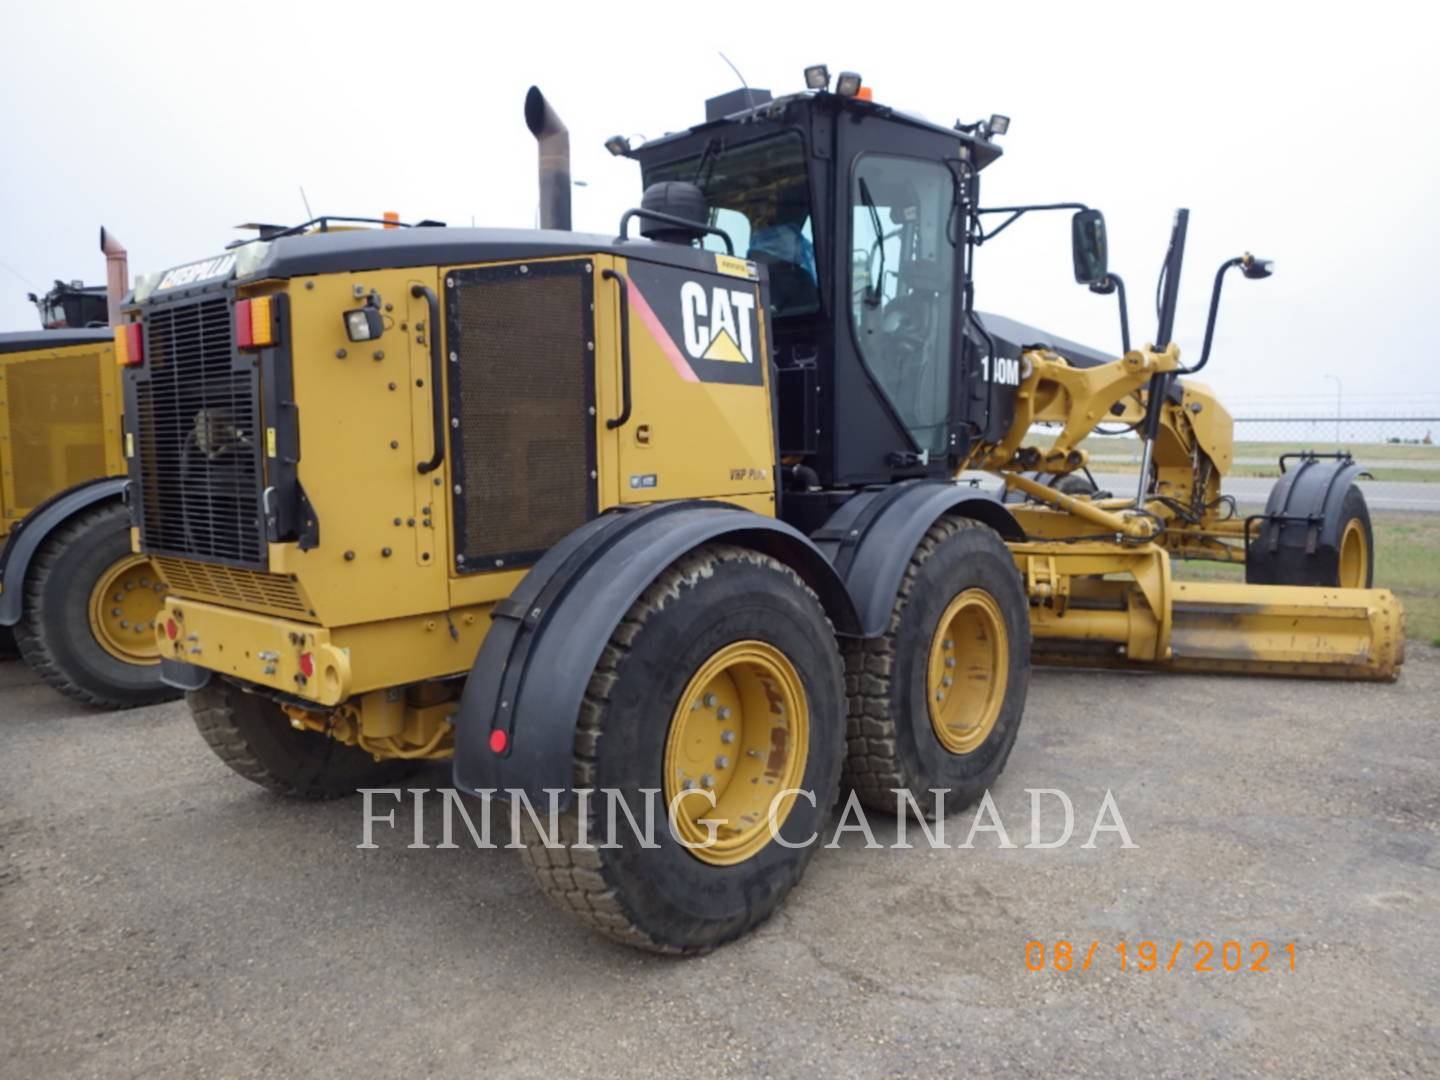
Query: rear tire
[
  {"x": 666, "y": 898},
  {"x": 253, "y": 736},
  {"x": 961, "y": 569},
  {"x": 57, "y": 634}
]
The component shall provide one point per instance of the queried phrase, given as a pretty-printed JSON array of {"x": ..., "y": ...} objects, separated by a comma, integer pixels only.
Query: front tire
[
  {"x": 1347, "y": 563},
  {"x": 725, "y": 677},
  {"x": 253, "y": 736},
  {"x": 90, "y": 605},
  {"x": 936, "y": 701}
]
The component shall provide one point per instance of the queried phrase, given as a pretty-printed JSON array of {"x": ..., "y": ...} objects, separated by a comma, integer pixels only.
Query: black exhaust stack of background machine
[{"x": 553, "y": 139}]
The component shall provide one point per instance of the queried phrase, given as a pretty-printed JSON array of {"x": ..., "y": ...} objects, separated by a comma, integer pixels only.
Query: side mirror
[{"x": 1087, "y": 241}]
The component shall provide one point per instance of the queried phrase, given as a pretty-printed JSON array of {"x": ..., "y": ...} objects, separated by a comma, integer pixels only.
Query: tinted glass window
[
  {"x": 759, "y": 193},
  {"x": 902, "y": 287}
]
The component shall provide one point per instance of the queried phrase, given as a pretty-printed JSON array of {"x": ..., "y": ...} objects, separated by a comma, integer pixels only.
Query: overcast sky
[{"x": 1303, "y": 136}]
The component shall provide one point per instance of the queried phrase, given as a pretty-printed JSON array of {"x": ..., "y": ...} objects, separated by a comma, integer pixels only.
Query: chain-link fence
[{"x": 1339, "y": 432}]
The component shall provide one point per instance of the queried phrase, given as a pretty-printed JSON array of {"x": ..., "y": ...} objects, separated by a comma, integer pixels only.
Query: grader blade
[
  {"x": 1242, "y": 629},
  {"x": 1097, "y": 604}
]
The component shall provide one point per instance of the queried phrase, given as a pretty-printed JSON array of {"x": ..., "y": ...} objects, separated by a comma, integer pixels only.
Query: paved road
[
  {"x": 161, "y": 917},
  {"x": 1252, "y": 491},
  {"x": 1405, "y": 464}
]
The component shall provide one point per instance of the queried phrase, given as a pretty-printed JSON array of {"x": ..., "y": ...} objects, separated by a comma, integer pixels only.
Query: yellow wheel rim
[
  {"x": 1354, "y": 555},
  {"x": 741, "y": 731},
  {"x": 123, "y": 604},
  {"x": 968, "y": 671}
]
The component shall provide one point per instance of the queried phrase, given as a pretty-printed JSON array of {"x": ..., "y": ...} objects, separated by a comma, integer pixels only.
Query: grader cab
[{"x": 673, "y": 514}]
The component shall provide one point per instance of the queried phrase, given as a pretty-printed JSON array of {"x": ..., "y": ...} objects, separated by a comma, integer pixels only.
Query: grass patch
[{"x": 1407, "y": 561}]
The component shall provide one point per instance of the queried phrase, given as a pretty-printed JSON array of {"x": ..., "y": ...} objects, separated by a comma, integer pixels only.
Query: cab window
[
  {"x": 759, "y": 193},
  {"x": 902, "y": 287}
]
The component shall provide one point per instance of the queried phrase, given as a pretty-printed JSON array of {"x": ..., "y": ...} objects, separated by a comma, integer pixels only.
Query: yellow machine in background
[
  {"x": 80, "y": 604},
  {"x": 678, "y": 515}
]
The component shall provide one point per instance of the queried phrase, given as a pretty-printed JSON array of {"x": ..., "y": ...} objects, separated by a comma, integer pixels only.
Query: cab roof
[
  {"x": 33, "y": 340},
  {"x": 983, "y": 151}
]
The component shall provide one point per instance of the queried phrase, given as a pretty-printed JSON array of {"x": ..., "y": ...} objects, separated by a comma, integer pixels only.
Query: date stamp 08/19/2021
[{"x": 1203, "y": 955}]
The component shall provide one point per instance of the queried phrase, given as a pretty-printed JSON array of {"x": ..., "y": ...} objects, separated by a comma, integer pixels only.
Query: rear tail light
[
  {"x": 129, "y": 345},
  {"x": 254, "y": 323}
]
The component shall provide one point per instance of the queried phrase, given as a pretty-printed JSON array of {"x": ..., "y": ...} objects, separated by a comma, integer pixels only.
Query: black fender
[
  {"x": 870, "y": 539},
  {"x": 28, "y": 536},
  {"x": 1302, "y": 522},
  {"x": 545, "y": 639}
]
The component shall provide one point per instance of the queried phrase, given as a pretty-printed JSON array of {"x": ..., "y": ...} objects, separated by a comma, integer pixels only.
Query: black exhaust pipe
[{"x": 553, "y": 138}]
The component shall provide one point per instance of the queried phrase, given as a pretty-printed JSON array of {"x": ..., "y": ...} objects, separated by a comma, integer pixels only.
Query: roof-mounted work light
[
  {"x": 817, "y": 77},
  {"x": 847, "y": 84}
]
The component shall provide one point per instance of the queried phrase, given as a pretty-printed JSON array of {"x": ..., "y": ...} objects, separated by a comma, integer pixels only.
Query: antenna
[
  {"x": 19, "y": 275},
  {"x": 748, "y": 96},
  {"x": 308, "y": 215}
]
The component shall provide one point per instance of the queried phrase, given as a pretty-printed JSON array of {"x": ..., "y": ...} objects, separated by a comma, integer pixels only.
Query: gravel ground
[{"x": 160, "y": 916}]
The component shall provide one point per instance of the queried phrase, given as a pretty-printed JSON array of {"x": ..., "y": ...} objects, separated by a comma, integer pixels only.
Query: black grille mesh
[
  {"x": 196, "y": 426},
  {"x": 522, "y": 395}
]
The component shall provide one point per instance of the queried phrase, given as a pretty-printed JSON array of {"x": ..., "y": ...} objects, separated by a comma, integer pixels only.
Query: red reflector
[
  {"x": 130, "y": 345},
  {"x": 499, "y": 741},
  {"x": 307, "y": 664},
  {"x": 244, "y": 331},
  {"x": 171, "y": 630}
]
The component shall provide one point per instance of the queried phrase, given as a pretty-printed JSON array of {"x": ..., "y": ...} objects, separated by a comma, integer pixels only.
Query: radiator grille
[
  {"x": 230, "y": 585},
  {"x": 57, "y": 430},
  {"x": 197, "y": 418},
  {"x": 522, "y": 393}
]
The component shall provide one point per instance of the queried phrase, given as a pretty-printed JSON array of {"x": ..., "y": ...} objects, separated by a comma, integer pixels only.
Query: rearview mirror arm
[
  {"x": 1113, "y": 283},
  {"x": 1017, "y": 212},
  {"x": 1254, "y": 268}
]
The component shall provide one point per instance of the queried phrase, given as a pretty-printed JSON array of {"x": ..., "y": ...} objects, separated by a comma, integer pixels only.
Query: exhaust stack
[
  {"x": 117, "y": 274},
  {"x": 553, "y": 139}
]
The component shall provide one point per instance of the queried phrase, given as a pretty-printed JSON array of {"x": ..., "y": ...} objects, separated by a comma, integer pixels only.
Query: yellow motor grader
[
  {"x": 75, "y": 599},
  {"x": 676, "y": 514}
]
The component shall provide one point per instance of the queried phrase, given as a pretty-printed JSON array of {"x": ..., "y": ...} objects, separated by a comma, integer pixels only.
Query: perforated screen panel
[
  {"x": 57, "y": 429},
  {"x": 521, "y": 392}
]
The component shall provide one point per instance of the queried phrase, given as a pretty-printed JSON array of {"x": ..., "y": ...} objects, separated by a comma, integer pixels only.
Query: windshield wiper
[{"x": 872, "y": 290}]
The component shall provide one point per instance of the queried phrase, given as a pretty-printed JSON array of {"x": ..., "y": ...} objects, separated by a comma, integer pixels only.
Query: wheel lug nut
[
  {"x": 125, "y": 624},
  {"x": 727, "y": 736},
  {"x": 709, "y": 701},
  {"x": 723, "y": 712},
  {"x": 116, "y": 612},
  {"x": 949, "y": 661},
  {"x": 939, "y": 695},
  {"x": 946, "y": 681},
  {"x": 722, "y": 762},
  {"x": 707, "y": 780},
  {"x": 948, "y": 643},
  {"x": 689, "y": 785}
]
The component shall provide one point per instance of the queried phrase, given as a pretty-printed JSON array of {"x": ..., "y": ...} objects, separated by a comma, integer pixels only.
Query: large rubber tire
[
  {"x": 664, "y": 898},
  {"x": 1329, "y": 565},
  {"x": 892, "y": 743},
  {"x": 54, "y": 633},
  {"x": 1075, "y": 484},
  {"x": 253, "y": 736}
]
